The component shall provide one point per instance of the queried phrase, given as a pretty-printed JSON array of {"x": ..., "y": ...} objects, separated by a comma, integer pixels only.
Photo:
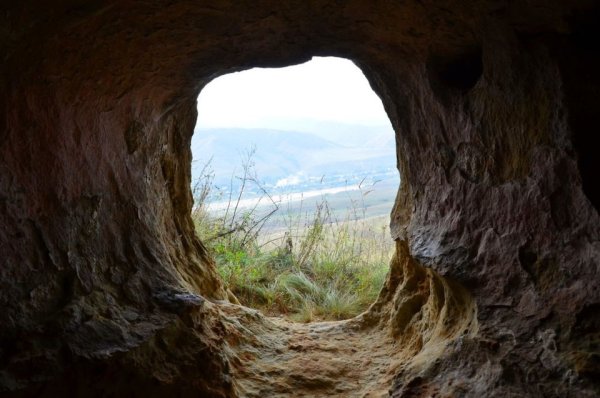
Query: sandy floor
[{"x": 321, "y": 359}]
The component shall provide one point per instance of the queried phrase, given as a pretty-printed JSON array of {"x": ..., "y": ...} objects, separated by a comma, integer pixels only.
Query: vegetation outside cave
[{"x": 299, "y": 227}]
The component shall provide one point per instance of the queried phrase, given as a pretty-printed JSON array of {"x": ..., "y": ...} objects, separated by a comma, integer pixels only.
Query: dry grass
[{"x": 317, "y": 267}]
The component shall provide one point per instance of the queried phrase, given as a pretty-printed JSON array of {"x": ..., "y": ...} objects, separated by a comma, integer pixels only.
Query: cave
[{"x": 493, "y": 289}]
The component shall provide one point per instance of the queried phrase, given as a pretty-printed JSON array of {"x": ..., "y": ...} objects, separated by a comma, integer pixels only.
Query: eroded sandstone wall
[{"x": 103, "y": 286}]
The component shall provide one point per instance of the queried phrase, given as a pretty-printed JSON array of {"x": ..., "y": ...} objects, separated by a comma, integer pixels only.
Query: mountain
[
  {"x": 351, "y": 135},
  {"x": 284, "y": 158},
  {"x": 345, "y": 134}
]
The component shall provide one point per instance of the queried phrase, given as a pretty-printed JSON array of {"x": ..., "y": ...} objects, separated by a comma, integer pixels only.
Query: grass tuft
[{"x": 317, "y": 268}]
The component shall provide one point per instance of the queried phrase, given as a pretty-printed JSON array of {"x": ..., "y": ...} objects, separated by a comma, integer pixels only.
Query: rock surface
[{"x": 494, "y": 288}]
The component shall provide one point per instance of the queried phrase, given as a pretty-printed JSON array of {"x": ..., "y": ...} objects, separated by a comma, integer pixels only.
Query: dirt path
[{"x": 278, "y": 358}]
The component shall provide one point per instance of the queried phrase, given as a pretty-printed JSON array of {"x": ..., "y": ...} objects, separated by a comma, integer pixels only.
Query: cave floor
[{"x": 273, "y": 357}]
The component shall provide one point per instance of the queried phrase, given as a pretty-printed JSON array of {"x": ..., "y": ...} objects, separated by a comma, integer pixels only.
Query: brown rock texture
[{"x": 494, "y": 289}]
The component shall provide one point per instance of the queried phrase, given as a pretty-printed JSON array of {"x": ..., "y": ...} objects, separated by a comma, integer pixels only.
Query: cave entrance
[{"x": 294, "y": 177}]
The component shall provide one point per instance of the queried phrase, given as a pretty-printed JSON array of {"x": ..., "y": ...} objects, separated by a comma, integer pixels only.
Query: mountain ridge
[{"x": 278, "y": 154}]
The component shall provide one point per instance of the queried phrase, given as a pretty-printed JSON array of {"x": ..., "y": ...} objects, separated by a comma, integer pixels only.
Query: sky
[{"x": 324, "y": 89}]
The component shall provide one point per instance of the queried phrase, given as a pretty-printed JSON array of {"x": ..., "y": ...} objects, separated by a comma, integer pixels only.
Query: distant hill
[
  {"x": 351, "y": 135},
  {"x": 284, "y": 158}
]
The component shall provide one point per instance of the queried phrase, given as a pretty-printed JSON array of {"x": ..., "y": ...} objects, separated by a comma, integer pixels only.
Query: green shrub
[{"x": 320, "y": 268}]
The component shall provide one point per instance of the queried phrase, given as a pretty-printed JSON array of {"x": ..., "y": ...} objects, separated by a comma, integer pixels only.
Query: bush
[{"x": 319, "y": 269}]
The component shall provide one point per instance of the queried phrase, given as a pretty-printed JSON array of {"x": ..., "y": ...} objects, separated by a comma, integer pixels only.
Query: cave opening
[{"x": 294, "y": 177}]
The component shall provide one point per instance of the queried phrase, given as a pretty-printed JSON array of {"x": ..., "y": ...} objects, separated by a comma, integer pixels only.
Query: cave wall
[{"x": 103, "y": 279}]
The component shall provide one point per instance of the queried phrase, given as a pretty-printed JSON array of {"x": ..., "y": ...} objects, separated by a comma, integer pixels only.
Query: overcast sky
[{"x": 324, "y": 89}]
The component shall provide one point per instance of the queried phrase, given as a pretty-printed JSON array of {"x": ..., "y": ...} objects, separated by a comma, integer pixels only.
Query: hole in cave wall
[
  {"x": 579, "y": 61},
  {"x": 454, "y": 73},
  {"x": 294, "y": 175}
]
